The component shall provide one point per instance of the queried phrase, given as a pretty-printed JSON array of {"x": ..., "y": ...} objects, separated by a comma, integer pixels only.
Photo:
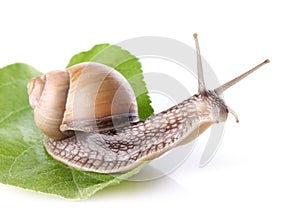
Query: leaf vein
[
  {"x": 11, "y": 82},
  {"x": 13, "y": 113},
  {"x": 16, "y": 159},
  {"x": 76, "y": 184}
]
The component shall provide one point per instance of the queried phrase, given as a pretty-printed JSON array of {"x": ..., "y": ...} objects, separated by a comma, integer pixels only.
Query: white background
[{"x": 255, "y": 171}]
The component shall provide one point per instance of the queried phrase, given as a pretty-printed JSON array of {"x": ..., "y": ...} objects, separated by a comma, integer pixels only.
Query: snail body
[
  {"x": 90, "y": 119},
  {"x": 121, "y": 150}
]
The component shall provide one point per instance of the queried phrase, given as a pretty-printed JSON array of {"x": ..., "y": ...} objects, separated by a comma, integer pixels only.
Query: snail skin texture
[{"x": 89, "y": 116}]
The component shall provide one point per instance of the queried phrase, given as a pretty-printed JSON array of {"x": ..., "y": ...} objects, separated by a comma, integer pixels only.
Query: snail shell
[{"x": 85, "y": 97}]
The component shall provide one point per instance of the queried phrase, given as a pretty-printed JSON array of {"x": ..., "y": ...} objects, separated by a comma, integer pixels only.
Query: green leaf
[
  {"x": 124, "y": 62},
  {"x": 24, "y": 161}
]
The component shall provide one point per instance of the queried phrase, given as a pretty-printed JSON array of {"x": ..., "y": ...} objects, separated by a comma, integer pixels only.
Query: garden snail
[{"x": 89, "y": 116}]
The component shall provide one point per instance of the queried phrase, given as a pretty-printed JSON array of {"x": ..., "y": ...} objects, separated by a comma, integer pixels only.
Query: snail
[{"x": 89, "y": 116}]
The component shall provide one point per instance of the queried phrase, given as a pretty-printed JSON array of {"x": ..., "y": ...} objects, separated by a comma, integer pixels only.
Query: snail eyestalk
[
  {"x": 227, "y": 85},
  {"x": 201, "y": 84}
]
